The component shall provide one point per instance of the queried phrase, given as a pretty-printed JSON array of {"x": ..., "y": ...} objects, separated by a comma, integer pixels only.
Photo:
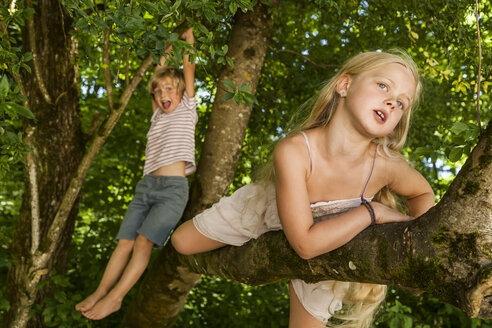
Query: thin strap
[
  {"x": 309, "y": 151},
  {"x": 370, "y": 174}
]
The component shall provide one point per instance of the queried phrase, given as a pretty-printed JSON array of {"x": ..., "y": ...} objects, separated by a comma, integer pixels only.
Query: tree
[
  {"x": 63, "y": 153},
  {"x": 129, "y": 35}
]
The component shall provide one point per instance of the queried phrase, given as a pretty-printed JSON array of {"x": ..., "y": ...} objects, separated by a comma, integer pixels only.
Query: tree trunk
[
  {"x": 164, "y": 289},
  {"x": 59, "y": 160},
  {"x": 446, "y": 252},
  {"x": 57, "y": 146}
]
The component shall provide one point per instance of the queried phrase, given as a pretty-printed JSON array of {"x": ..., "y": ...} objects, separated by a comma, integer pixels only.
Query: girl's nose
[{"x": 391, "y": 103}]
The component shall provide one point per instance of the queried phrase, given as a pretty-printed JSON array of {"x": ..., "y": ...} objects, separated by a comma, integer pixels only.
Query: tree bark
[
  {"x": 446, "y": 252},
  {"x": 164, "y": 289},
  {"x": 57, "y": 147}
]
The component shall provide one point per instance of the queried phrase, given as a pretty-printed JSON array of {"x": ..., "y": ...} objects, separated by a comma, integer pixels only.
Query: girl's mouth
[
  {"x": 381, "y": 115},
  {"x": 166, "y": 104}
]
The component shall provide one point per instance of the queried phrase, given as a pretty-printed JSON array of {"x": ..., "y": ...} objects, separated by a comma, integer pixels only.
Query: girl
[{"x": 331, "y": 178}]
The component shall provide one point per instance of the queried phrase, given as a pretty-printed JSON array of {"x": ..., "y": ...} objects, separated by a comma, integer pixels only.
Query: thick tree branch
[
  {"x": 33, "y": 189},
  {"x": 446, "y": 252}
]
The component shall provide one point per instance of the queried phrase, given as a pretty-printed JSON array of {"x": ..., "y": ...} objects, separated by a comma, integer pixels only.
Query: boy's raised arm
[{"x": 189, "y": 67}]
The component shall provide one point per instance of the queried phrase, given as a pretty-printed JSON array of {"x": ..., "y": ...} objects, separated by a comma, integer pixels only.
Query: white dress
[{"x": 236, "y": 219}]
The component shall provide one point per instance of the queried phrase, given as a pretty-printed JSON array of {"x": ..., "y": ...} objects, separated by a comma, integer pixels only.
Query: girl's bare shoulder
[{"x": 291, "y": 151}]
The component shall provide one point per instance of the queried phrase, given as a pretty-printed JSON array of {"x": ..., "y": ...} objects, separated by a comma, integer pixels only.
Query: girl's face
[
  {"x": 166, "y": 95},
  {"x": 378, "y": 98}
]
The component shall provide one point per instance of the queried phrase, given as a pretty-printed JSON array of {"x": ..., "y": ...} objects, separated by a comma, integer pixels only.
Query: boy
[{"x": 162, "y": 194}]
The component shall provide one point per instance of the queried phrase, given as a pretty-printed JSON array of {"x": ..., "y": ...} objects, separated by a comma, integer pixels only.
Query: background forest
[{"x": 308, "y": 41}]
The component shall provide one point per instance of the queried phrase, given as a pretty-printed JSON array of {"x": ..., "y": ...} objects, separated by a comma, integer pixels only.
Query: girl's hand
[{"x": 385, "y": 214}]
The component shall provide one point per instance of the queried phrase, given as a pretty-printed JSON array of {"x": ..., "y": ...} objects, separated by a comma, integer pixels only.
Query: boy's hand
[{"x": 188, "y": 36}]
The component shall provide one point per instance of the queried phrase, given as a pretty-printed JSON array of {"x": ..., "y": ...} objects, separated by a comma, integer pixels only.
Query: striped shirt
[{"x": 171, "y": 137}]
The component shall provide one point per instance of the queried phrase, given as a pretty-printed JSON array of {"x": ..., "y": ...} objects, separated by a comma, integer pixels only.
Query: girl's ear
[{"x": 343, "y": 84}]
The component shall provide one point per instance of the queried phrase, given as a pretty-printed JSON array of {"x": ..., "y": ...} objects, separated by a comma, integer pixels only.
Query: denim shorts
[{"x": 155, "y": 209}]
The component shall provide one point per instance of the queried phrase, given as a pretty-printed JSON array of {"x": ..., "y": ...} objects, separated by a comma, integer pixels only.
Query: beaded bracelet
[{"x": 370, "y": 209}]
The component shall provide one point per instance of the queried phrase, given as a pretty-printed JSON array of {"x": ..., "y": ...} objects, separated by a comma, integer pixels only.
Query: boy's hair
[{"x": 173, "y": 73}]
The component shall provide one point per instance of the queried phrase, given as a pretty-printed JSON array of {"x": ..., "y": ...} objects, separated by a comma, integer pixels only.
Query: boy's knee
[{"x": 125, "y": 245}]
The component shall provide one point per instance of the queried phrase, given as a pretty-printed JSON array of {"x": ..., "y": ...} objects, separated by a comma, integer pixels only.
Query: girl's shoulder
[
  {"x": 293, "y": 143},
  {"x": 291, "y": 152}
]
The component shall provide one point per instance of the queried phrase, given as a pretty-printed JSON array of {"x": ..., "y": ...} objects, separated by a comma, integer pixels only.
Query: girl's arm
[
  {"x": 189, "y": 67},
  {"x": 291, "y": 163},
  {"x": 408, "y": 182}
]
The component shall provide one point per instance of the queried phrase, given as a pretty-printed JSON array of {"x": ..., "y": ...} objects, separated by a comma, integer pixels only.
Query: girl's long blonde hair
[{"x": 361, "y": 301}]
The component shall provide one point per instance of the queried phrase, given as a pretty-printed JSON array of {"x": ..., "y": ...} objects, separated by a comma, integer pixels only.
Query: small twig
[
  {"x": 302, "y": 56},
  {"x": 107, "y": 70},
  {"x": 94, "y": 125},
  {"x": 127, "y": 67},
  {"x": 479, "y": 65},
  {"x": 118, "y": 71}
]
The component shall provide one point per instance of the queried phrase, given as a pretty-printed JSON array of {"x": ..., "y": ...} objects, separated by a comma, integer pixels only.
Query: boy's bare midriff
[{"x": 174, "y": 169}]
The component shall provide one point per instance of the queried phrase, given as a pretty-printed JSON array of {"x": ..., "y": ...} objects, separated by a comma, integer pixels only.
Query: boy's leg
[
  {"x": 188, "y": 240},
  {"x": 112, "y": 301},
  {"x": 299, "y": 317},
  {"x": 114, "y": 268}
]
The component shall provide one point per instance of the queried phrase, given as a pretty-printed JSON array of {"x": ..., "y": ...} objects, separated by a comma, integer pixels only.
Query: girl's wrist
[{"x": 370, "y": 209}]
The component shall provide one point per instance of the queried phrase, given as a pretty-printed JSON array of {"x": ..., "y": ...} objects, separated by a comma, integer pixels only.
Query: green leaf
[
  {"x": 238, "y": 98},
  {"x": 21, "y": 110},
  {"x": 82, "y": 23},
  {"x": 27, "y": 57},
  {"x": 455, "y": 154},
  {"x": 459, "y": 127},
  {"x": 4, "y": 304},
  {"x": 245, "y": 87},
  {"x": 229, "y": 84},
  {"x": 4, "y": 87},
  {"x": 422, "y": 151},
  {"x": 227, "y": 96},
  {"x": 230, "y": 62},
  {"x": 101, "y": 23}
]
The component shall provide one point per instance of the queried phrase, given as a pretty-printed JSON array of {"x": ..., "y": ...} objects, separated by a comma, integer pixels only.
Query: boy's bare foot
[
  {"x": 89, "y": 302},
  {"x": 103, "y": 308}
]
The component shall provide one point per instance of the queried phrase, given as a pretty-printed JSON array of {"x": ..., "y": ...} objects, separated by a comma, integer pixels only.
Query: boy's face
[{"x": 166, "y": 95}]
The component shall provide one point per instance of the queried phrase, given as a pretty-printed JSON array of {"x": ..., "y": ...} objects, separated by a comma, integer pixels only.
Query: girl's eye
[
  {"x": 382, "y": 86},
  {"x": 400, "y": 104},
  {"x": 168, "y": 89},
  {"x": 158, "y": 92}
]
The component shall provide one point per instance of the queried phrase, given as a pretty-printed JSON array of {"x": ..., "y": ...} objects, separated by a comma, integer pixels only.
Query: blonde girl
[{"x": 332, "y": 177}]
